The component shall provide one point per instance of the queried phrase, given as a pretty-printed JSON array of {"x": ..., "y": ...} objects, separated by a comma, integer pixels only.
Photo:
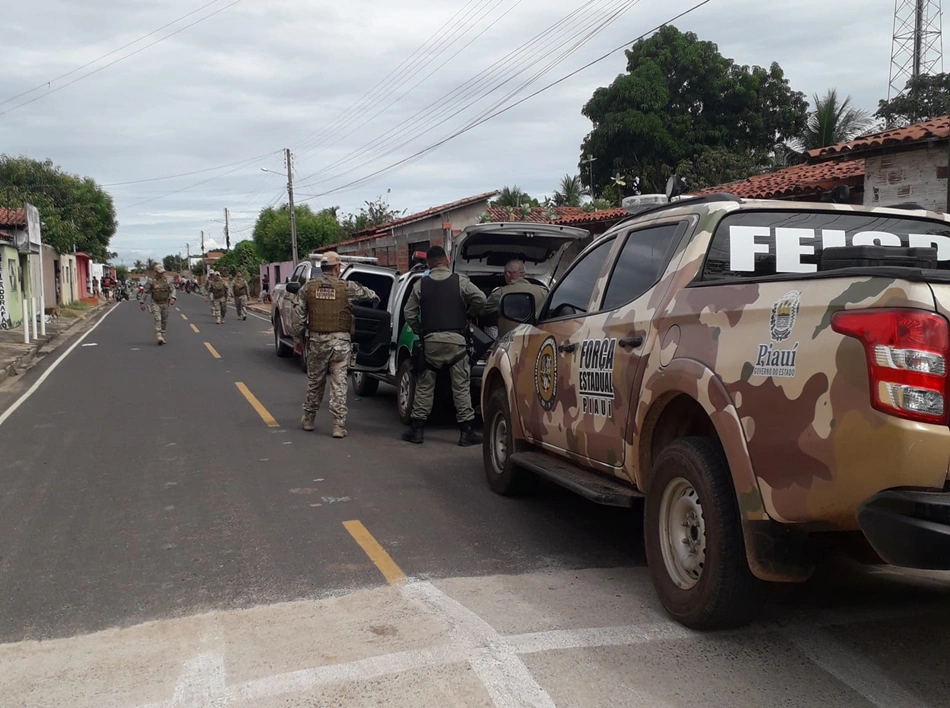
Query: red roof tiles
[
  {"x": 12, "y": 217},
  {"x": 593, "y": 217},
  {"x": 418, "y": 216},
  {"x": 537, "y": 215},
  {"x": 936, "y": 129},
  {"x": 795, "y": 181}
]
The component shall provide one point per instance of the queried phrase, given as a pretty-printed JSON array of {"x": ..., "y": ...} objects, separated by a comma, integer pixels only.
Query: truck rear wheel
[
  {"x": 364, "y": 385},
  {"x": 695, "y": 550},
  {"x": 405, "y": 391}
]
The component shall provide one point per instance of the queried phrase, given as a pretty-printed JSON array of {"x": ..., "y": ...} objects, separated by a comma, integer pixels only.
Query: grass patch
[{"x": 73, "y": 310}]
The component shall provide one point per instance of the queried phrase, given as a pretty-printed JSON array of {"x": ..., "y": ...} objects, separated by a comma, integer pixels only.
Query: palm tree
[
  {"x": 513, "y": 197},
  {"x": 571, "y": 192},
  {"x": 150, "y": 264},
  {"x": 138, "y": 266},
  {"x": 832, "y": 121}
]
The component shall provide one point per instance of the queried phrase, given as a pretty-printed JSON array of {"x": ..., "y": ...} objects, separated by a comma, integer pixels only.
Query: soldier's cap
[
  {"x": 330, "y": 258},
  {"x": 159, "y": 268}
]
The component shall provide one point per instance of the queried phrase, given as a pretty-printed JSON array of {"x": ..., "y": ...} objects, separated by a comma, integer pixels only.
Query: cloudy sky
[{"x": 356, "y": 87}]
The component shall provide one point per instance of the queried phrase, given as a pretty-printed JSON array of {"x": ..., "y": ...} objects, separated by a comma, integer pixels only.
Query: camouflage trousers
[
  {"x": 219, "y": 306},
  {"x": 240, "y": 304},
  {"x": 439, "y": 354},
  {"x": 328, "y": 356},
  {"x": 160, "y": 315}
]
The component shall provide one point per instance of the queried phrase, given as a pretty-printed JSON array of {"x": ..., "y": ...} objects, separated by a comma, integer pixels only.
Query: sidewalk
[{"x": 16, "y": 357}]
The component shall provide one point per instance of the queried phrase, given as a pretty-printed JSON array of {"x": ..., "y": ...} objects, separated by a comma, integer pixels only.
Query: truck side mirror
[
  {"x": 293, "y": 288},
  {"x": 518, "y": 307}
]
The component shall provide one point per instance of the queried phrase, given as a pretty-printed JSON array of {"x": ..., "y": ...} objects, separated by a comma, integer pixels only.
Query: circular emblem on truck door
[{"x": 545, "y": 373}]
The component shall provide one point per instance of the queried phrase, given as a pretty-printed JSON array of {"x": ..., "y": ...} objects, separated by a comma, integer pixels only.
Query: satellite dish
[{"x": 675, "y": 186}]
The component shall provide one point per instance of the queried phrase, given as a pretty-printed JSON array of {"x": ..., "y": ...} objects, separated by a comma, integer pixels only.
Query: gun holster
[
  {"x": 418, "y": 358},
  {"x": 354, "y": 350}
]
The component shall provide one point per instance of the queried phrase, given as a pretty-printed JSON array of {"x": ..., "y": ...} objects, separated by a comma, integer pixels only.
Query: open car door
[{"x": 373, "y": 325}]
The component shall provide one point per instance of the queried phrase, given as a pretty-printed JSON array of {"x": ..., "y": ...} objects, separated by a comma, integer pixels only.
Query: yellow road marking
[
  {"x": 256, "y": 405},
  {"x": 183, "y": 317},
  {"x": 387, "y": 566},
  {"x": 194, "y": 329},
  {"x": 213, "y": 352}
]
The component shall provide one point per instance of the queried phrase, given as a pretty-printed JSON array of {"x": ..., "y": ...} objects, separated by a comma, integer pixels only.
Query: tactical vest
[
  {"x": 240, "y": 288},
  {"x": 329, "y": 307},
  {"x": 161, "y": 291},
  {"x": 443, "y": 309},
  {"x": 218, "y": 288}
]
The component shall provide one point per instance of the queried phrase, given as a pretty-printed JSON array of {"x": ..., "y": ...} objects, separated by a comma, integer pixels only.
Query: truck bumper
[{"x": 909, "y": 528}]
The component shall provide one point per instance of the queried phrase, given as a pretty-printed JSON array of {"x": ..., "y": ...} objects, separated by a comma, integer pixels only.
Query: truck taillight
[{"x": 906, "y": 357}]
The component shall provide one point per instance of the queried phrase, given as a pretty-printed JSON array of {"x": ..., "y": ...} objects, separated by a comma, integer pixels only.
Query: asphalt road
[{"x": 164, "y": 541}]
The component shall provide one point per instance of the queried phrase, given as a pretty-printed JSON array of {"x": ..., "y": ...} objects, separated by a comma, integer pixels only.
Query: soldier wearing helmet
[{"x": 163, "y": 295}]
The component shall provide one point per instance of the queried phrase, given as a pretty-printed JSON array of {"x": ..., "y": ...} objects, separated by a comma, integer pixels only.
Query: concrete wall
[
  {"x": 277, "y": 272},
  {"x": 11, "y": 293},
  {"x": 395, "y": 247},
  {"x": 49, "y": 276},
  {"x": 918, "y": 176},
  {"x": 68, "y": 287}
]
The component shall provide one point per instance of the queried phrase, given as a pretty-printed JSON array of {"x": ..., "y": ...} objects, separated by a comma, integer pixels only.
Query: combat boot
[
  {"x": 415, "y": 433},
  {"x": 467, "y": 436},
  {"x": 161, "y": 339},
  {"x": 307, "y": 422},
  {"x": 339, "y": 431}
]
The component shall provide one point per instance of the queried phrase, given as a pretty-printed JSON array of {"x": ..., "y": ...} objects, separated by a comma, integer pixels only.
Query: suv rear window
[{"x": 757, "y": 244}]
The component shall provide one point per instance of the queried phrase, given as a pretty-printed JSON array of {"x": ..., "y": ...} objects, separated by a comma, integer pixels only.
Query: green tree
[
  {"x": 243, "y": 257},
  {"x": 372, "y": 213},
  {"x": 138, "y": 267},
  {"x": 272, "y": 232},
  {"x": 715, "y": 166},
  {"x": 830, "y": 122},
  {"x": 513, "y": 198},
  {"x": 570, "y": 193},
  {"x": 75, "y": 211},
  {"x": 172, "y": 262},
  {"x": 678, "y": 97},
  {"x": 924, "y": 98},
  {"x": 150, "y": 264},
  {"x": 121, "y": 272}
]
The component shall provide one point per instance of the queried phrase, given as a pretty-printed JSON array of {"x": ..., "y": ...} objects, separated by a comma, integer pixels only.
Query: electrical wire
[
  {"x": 395, "y": 167},
  {"x": 122, "y": 58}
]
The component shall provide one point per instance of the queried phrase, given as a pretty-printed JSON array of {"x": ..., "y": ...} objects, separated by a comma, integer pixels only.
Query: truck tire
[
  {"x": 694, "y": 544},
  {"x": 497, "y": 447},
  {"x": 364, "y": 385},
  {"x": 405, "y": 392},
  {"x": 280, "y": 347}
]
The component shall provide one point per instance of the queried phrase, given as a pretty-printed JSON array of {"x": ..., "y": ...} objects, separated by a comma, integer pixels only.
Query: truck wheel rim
[
  {"x": 499, "y": 442},
  {"x": 358, "y": 380},
  {"x": 682, "y": 533},
  {"x": 404, "y": 385}
]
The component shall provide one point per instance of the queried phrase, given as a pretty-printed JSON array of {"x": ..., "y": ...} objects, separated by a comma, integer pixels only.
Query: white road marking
[
  {"x": 862, "y": 676},
  {"x": 39, "y": 382},
  {"x": 92, "y": 344}
]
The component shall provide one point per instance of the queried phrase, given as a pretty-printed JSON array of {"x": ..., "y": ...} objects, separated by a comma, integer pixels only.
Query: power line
[
  {"x": 106, "y": 56},
  {"x": 188, "y": 174},
  {"x": 421, "y": 153},
  {"x": 551, "y": 36},
  {"x": 122, "y": 58}
]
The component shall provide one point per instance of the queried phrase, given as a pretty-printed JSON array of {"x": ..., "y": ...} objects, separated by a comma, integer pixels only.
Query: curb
[{"x": 23, "y": 361}]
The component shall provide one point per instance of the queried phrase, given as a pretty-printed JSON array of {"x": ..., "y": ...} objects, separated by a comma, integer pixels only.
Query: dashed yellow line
[
  {"x": 194, "y": 329},
  {"x": 183, "y": 317},
  {"x": 257, "y": 406},
  {"x": 212, "y": 350},
  {"x": 382, "y": 560}
]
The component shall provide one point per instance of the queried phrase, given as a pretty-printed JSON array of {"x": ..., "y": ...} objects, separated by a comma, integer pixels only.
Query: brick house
[{"x": 394, "y": 243}]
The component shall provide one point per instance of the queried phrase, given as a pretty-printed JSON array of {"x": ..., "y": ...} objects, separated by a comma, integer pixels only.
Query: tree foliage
[
  {"x": 678, "y": 98},
  {"x": 924, "y": 98},
  {"x": 75, "y": 211},
  {"x": 314, "y": 229},
  {"x": 570, "y": 193},
  {"x": 173, "y": 262},
  {"x": 243, "y": 257},
  {"x": 513, "y": 198},
  {"x": 830, "y": 122},
  {"x": 372, "y": 213},
  {"x": 121, "y": 272}
]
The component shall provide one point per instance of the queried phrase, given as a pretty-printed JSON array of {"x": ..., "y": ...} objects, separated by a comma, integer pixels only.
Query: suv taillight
[{"x": 906, "y": 357}]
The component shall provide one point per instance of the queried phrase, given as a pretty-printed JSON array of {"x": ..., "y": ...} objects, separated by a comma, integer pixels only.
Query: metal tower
[{"x": 917, "y": 46}]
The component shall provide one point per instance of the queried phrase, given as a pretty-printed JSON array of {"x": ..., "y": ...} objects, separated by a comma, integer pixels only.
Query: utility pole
[
  {"x": 290, "y": 200},
  {"x": 590, "y": 171},
  {"x": 227, "y": 230},
  {"x": 202, "y": 243}
]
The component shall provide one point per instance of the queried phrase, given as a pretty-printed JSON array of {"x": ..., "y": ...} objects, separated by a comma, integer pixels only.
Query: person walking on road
[
  {"x": 163, "y": 295},
  {"x": 438, "y": 310},
  {"x": 515, "y": 282},
  {"x": 219, "y": 297},
  {"x": 239, "y": 292},
  {"x": 325, "y": 307}
]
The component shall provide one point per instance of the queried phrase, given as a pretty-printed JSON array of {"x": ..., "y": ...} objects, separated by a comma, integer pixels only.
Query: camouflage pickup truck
[{"x": 770, "y": 376}]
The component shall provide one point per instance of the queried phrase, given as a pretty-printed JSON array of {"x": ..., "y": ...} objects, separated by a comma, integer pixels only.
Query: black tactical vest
[{"x": 443, "y": 309}]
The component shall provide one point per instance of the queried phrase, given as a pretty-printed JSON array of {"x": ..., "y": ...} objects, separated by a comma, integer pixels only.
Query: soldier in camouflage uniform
[
  {"x": 239, "y": 292},
  {"x": 324, "y": 306},
  {"x": 219, "y": 297},
  {"x": 163, "y": 295},
  {"x": 211, "y": 274},
  {"x": 438, "y": 310},
  {"x": 515, "y": 282}
]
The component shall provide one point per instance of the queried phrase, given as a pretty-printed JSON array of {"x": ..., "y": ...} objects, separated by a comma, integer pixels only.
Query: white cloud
[{"x": 263, "y": 76}]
